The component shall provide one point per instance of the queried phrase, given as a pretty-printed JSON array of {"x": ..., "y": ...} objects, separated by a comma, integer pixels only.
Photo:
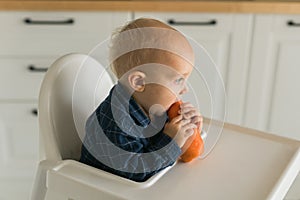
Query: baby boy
[{"x": 129, "y": 134}]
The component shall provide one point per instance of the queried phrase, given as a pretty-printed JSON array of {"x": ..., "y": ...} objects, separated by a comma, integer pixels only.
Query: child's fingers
[
  {"x": 186, "y": 104},
  {"x": 184, "y": 110},
  {"x": 177, "y": 119},
  {"x": 196, "y": 119},
  {"x": 189, "y": 126},
  {"x": 185, "y": 107},
  {"x": 188, "y": 110},
  {"x": 184, "y": 122},
  {"x": 189, "y": 133},
  {"x": 190, "y": 114}
]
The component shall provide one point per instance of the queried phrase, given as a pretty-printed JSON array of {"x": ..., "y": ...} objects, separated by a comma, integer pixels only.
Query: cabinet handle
[
  {"x": 182, "y": 23},
  {"x": 33, "y": 68},
  {"x": 34, "y": 112},
  {"x": 29, "y": 21},
  {"x": 292, "y": 23}
]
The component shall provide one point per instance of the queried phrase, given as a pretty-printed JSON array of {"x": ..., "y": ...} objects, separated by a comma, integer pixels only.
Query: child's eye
[{"x": 179, "y": 81}]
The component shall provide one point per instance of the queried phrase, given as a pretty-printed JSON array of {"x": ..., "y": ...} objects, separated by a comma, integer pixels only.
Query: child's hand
[
  {"x": 189, "y": 112},
  {"x": 180, "y": 129}
]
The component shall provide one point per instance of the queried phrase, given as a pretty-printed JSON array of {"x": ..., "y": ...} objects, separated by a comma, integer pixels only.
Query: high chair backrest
[{"x": 72, "y": 88}]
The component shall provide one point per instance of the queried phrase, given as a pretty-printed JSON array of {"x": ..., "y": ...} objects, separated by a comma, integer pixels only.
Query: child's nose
[{"x": 184, "y": 90}]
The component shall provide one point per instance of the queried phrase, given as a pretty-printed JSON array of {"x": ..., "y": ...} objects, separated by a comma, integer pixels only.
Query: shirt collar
[{"x": 135, "y": 110}]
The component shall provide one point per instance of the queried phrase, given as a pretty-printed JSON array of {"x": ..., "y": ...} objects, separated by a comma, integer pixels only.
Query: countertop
[{"x": 221, "y": 6}]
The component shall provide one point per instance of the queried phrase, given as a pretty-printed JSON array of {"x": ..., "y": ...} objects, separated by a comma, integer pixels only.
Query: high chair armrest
[
  {"x": 90, "y": 175},
  {"x": 39, "y": 187},
  {"x": 73, "y": 177}
]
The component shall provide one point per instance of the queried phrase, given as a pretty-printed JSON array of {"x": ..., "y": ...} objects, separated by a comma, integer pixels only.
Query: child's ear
[{"x": 136, "y": 80}]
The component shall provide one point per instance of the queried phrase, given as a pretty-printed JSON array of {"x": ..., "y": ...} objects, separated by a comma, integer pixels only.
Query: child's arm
[
  {"x": 127, "y": 156},
  {"x": 142, "y": 160},
  {"x": 131, "y": 157}
]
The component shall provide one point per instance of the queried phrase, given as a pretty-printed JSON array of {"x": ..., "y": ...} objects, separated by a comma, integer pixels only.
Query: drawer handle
[
  {"x": 182, "y": 23},
  {"x": 32, "y": 68},
  {"x": 50, "y": 22},
  {"x": 292, "y": 23},
  {"x": 34, "y": 112}
]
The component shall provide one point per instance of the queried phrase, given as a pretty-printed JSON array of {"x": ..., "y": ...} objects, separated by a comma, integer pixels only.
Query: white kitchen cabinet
[
  {"x": 19, "y": 139},
  {"x": 227, "y": 39},
  {"x": 18, "y": 149},
  {"x": 29, "y": 43},
  {"x": 273, "y": 99}
]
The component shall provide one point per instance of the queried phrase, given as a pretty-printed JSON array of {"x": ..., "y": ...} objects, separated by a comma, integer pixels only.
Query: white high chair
[
  {"x": 72, "y": 88},
  {"x": 59, "y": 139}
]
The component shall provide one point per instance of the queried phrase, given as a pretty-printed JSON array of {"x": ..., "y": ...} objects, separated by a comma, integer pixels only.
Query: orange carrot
[{"x": 194, "y": 146}]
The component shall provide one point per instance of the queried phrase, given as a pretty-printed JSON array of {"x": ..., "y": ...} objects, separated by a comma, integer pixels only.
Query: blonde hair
[{"x": 125, "y": 62}]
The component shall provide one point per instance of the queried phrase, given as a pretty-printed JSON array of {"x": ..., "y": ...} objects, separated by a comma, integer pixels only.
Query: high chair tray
[{"x": 245, "y": 164}]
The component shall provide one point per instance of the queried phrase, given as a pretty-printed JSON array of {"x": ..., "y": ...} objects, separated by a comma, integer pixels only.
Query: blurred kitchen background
[{"x": 256, "y": 47}]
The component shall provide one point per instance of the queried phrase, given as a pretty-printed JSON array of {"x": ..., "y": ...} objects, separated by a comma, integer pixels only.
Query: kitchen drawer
[
  {"x": 55, "y": 33},
  {"x": 20, "y": 78},
  {"x": 286, "y": 24},
  {"x": 187, "y": 22},
  {"x": 18, "y": 139}
]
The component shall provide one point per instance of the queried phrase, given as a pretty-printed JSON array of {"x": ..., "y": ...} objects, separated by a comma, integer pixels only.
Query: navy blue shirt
[{"x": 122, "y": 140}]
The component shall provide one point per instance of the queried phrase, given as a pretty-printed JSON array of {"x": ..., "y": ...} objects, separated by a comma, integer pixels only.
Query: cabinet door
[
  {"x": 15, "y": 189},
  {"x": 18, "y": 149},
  {"x": 19, "y": 139},
  {"x": 21, "y": 78},
  {"x": 227, "y": 41},
  {"x": 273, "y": 96}
]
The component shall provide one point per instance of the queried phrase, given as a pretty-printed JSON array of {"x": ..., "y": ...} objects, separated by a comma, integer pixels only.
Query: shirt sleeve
[
  {"x": 159, "y": 141},
  {"x": 161, "y": 151}
]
